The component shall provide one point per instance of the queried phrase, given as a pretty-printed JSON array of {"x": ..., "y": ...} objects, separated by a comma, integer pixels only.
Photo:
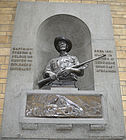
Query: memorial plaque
[
  {"x": 57, "y": 106},
  {"x": 63, "y": 80}
]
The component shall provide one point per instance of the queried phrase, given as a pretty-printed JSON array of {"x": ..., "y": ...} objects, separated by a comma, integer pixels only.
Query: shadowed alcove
[{"x": 72, "y": 28}]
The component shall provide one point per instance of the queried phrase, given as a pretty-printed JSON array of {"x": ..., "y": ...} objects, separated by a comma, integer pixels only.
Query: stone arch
[{"x": 72, "y": 28}]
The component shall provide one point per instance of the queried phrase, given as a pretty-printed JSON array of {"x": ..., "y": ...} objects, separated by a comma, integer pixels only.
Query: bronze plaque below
[{"x": 60, "y": 106}]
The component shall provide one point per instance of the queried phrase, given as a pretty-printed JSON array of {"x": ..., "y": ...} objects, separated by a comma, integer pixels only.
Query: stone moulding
[{"x": 45, "y": 120}]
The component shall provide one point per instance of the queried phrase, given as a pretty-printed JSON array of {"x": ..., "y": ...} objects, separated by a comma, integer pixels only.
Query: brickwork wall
[{"x": 7, "y": 15}]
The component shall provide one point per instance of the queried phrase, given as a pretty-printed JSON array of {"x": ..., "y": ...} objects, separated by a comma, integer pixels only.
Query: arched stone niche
[{"x": 72, "y": 28}]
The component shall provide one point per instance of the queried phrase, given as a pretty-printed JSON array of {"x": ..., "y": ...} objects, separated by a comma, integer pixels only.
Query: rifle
[{"x": 43, "y": 82}]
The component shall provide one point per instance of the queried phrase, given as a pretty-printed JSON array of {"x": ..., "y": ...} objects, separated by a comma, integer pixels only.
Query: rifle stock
[{"x": 43, "y": 82}]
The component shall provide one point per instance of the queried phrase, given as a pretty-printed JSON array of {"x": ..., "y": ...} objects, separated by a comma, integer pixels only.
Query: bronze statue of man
[{"x": 59, "y": 69}]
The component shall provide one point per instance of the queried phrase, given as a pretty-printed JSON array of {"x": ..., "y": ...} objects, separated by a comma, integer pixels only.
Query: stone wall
[{"x": 7, "y": 15}]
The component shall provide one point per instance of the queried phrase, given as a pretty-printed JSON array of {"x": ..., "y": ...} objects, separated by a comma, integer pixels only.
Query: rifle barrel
[{"x": 88, "y": 61}]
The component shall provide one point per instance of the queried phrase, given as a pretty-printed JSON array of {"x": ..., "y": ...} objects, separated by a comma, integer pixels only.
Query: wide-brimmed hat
[{"x": 69, "y": 43}]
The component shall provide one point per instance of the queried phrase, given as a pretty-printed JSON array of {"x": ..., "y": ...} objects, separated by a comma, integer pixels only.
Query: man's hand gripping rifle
[{"x": 43, "y": 82}]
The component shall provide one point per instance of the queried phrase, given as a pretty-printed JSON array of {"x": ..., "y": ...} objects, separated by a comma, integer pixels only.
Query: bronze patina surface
[{"x": 68, "y": 106}]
